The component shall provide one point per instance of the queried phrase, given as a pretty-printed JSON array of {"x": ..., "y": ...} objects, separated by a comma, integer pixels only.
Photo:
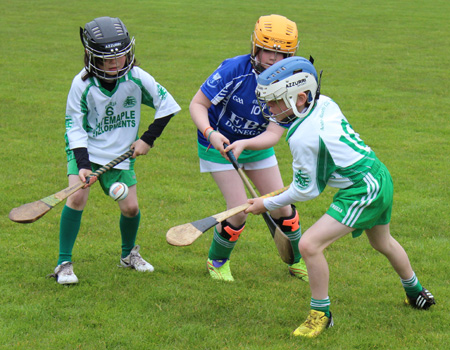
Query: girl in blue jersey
[
  {"x": 225, "y": 109},
  {"x": 103, "y": 114}
]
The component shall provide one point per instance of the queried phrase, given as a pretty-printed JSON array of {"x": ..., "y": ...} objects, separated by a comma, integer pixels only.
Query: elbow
[{"x": 302, "y": 196}]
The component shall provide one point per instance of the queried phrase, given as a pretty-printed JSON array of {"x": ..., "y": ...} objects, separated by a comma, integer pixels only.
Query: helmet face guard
[
  {"x": 107, "y": 38},
  {"x": 284, "y": 81},
  {"x": 273, "y": 33}
]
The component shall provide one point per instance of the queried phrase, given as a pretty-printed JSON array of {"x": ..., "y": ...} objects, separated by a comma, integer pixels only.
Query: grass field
[{"x": 385, "y": 64}]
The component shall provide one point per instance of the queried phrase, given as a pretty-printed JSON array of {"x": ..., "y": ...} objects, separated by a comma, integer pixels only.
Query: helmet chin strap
[
  {"x": 257, "y": 66},
  {"x": 318, "y": 86},
  {"x": 260, "y": 67}
]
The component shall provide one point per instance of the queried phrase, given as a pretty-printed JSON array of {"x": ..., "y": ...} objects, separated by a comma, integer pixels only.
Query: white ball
[{"x": 118, "y": 191}]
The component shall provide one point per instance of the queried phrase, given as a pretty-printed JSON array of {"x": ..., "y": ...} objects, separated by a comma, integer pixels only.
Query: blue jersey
[{"x": 235, "y": 111}]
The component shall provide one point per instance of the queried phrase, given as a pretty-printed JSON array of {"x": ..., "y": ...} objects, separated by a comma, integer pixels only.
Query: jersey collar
[{"x": 297, "y": 123}]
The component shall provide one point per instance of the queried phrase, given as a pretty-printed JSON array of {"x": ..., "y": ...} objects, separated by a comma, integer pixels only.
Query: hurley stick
[
  {"x": 31, "y": 212},
  {"x": 282, "y": 241},
  {"x": 186, "y": 234}
]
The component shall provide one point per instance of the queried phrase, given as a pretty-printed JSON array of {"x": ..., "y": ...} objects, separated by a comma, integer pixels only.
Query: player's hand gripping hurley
[
  {"x": 186, "y": 234},
  {"x": 282, "y": 241},
  {"x": 31, "y": 212}
]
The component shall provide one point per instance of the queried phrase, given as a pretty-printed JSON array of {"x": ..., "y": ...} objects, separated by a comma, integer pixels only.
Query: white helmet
[{"x": 284, "y": 81}]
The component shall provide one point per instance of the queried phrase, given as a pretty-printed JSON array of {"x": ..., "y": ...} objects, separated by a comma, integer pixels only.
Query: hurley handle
[
  {"x": 240, "y": 171},
  {"x": 232, "y": 157},
  {"x": 111, "y": 164}
]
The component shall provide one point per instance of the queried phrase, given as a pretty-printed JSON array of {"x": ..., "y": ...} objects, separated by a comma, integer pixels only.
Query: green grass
[{"x": 385, "y": 64}]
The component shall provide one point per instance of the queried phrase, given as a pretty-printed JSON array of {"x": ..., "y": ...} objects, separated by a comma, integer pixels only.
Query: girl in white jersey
[
  {"x": 327, "y": 151},
  {"x": 224, "y": 110},
  {"x": 103, "y": 114}
]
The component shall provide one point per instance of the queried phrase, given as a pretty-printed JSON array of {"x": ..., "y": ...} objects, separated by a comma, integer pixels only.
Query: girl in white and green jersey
[
  {"x": 103, "y": 114},
  {"x": 327, "y": 151}
]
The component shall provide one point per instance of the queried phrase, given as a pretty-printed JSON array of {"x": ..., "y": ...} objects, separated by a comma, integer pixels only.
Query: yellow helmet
[{"x": 274, "y": 33}]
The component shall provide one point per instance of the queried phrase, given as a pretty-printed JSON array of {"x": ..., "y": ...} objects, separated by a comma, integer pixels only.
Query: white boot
[
  {"x": 135, "y": 261},
  {"x": 64, "y": 273}
]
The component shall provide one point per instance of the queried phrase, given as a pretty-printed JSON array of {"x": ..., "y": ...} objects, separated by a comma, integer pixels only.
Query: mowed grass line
[{"x": 384, "y": 64}]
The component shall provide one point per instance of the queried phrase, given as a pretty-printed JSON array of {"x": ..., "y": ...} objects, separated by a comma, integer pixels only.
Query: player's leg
[
  {"x": 381, "y": 240},
  {"x": 312, "y": 245},
  {"x": 71, "y": 220},
  {"x": 130, "y": 217},
  {"x": 268, "y": 180},
  {"x": 227, "y": 233},
  {"x": 68, "y": 231},
  {"x": 129, "y": 220}
]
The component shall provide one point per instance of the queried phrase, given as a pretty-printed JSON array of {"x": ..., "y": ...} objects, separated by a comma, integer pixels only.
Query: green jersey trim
[
  {"x": 146, "y": 96},
  {"x": 325, "y": 166},
  {"x": 84, "y": 109},
  {"x": 358, "y": 170},
  {"x": 297, "y": 123}
]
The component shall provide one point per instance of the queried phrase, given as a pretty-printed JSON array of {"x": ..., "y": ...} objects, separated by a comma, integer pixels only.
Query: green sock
[
  {"x": 128, "y": 231},
  {"x": 292, "y": 228},
  {"x": 412, "y": 286},
  {"x": 68, "y": 231},
  {"x": 221, "y": 248},
  {"x": 321, "y": 305},
  {"x": 294, "y": 238}
]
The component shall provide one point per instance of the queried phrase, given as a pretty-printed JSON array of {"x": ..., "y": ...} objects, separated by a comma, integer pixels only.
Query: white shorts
[{"x": 211, "y": 167}]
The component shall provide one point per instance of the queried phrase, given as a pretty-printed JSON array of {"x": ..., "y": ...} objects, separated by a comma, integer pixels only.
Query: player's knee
[
  {"x": 306, "y": 247},
  {"x": 375, "y": 246},
  {"x": 383, "y": 246},
  {"x": 130, "y": 211},
  {"x": 78, "y": 200}
]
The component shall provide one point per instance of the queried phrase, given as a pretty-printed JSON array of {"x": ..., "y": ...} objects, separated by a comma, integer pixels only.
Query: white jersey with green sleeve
[
  {"x": 107, "y": 122},
  {"x": 326, "y": 151}
]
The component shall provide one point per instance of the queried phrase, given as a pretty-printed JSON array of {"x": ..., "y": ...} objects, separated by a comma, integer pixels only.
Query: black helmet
[{"x": 107, "y": 38}]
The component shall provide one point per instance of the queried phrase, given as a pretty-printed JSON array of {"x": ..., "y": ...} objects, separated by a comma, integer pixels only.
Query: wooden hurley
[
  {"x": 186, "y": 234},
  {"x": 282, "y": 241},
  {"x": 31, "y": 212}
]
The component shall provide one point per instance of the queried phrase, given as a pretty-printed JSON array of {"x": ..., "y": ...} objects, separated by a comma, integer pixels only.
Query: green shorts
[
  {"x": 106, "y": 179},
  {"x": 367, "y": 203}
]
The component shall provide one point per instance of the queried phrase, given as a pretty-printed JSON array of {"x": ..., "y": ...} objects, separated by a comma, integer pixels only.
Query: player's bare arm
[
  {"x": 267, "y": 139},
  {"x": 199, "y": 114}
]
